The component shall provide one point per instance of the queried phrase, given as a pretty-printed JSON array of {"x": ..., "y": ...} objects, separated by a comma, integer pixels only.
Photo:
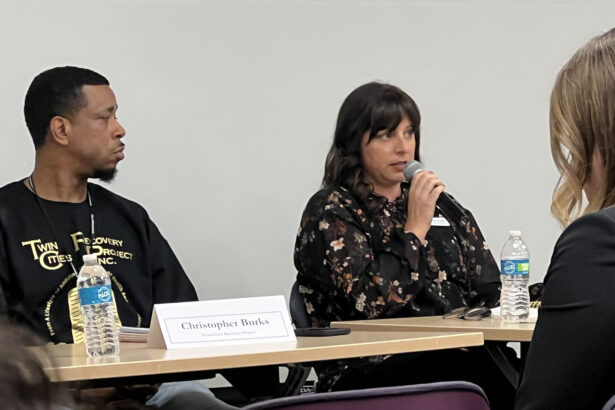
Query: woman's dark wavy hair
[{"x": 372, "y": 107}]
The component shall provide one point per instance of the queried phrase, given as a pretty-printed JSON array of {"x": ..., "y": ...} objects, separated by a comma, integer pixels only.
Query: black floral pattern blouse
[{"x": 353, "y": 265}]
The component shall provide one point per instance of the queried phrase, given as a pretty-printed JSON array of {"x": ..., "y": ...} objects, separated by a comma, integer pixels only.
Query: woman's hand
[{"x": 425, "y": 189}]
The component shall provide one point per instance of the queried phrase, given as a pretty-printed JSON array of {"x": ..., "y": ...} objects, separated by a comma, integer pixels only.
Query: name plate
[{"x": 220, "y": 322}]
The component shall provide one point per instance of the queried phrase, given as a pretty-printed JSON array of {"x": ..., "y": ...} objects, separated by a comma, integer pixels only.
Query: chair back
[
  {"x": 298, "y": 313},
  {"x": 431, "y": 396}
]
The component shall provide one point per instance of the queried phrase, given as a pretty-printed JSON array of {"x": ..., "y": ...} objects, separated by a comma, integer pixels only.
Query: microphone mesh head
[{"x": 412, "y": 168}]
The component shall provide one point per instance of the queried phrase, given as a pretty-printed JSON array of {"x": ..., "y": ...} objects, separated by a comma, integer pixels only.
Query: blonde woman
[{"x": 571, "y": 360}]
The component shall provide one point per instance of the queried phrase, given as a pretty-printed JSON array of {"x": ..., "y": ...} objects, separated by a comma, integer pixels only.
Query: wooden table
[
  {"x": 493, "y": 328},
  {"x": 69, "y": 363}
]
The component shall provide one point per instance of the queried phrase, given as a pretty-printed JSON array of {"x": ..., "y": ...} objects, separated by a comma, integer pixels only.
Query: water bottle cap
[
  {"x": 514, "y": 233},
  {"x": 90, "y": 258}
]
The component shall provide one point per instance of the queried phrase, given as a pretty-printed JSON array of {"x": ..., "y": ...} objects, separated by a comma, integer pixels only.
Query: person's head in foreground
[
  {"x": 23, "y": 382},
  {"x": 582, "y": 122}
]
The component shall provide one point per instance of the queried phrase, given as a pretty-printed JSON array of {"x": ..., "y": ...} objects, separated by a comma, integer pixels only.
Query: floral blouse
[{"x": 353, "y": 265}]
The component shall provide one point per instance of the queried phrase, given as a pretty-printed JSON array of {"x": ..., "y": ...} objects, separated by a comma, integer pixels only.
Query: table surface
[
  {"x": 69, "y": 362},
  {"x": 493, "y": 329}
]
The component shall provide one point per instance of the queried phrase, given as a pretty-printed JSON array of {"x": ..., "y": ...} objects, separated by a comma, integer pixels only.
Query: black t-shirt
[{"x": 38, "y": 282}]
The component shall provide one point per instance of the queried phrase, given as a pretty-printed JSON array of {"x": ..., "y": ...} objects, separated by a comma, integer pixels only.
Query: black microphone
[{"x": 445, "y": 201}]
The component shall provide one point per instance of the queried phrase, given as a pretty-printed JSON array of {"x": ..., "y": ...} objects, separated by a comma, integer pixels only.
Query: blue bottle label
[
  {"x": 95, "y": 295},
  {"x": 517, "y": 267}
]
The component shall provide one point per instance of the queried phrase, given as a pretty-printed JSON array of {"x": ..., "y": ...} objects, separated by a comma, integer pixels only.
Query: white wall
[{"x": 230, "y": 107}]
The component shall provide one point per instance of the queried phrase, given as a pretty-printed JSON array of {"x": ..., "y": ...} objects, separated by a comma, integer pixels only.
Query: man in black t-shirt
[{"x": 53, "y": 217}]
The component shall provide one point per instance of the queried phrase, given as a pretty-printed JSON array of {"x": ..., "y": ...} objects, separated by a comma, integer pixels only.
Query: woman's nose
[{"x": 402, "y": 144}]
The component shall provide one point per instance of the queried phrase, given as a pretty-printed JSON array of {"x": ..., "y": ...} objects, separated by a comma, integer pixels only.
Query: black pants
[
  {"x": 254, "y": 382},
  {"x": 472, "y": 364}
]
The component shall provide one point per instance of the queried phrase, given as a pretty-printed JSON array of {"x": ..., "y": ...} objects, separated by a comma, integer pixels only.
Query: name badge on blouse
[{"x": 439, "y": 221}]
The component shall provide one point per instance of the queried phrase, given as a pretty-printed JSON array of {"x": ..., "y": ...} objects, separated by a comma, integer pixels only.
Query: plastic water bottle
[
  {"x": 515, "y": 276},
  {"x": 97, "y": 308}
]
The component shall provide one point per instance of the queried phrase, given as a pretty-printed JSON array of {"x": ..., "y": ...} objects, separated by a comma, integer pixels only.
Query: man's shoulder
[
  {"x": 11, "y": 188},
  {"x": 11, "y": 193}
]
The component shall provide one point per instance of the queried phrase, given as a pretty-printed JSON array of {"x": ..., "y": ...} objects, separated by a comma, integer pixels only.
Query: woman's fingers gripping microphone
[{"x": 425, "y": 189}]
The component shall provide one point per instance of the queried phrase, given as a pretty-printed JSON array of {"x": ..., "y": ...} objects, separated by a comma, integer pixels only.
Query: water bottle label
[
  {"x": 95, "y": 295},
  {"x": 517, "y": 267}
]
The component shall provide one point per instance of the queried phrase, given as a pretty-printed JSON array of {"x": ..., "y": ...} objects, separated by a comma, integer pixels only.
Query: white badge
[{"x": 439, "y": 221}]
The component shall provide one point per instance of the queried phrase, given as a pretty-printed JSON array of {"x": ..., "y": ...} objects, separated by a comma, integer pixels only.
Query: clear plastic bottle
[
  {"x": 97, "y": 308},
  {"x": 515, "y": 276}
]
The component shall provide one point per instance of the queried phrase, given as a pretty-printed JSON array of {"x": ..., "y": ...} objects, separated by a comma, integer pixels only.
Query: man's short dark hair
[{"x": 56, "y": 92}]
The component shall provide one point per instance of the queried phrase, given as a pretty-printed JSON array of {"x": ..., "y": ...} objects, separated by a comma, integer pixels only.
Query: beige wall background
[{"x": 230, "y": 107}]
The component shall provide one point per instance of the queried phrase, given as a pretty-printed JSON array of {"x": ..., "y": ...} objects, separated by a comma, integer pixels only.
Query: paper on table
[{"x": 133, "y": 334}]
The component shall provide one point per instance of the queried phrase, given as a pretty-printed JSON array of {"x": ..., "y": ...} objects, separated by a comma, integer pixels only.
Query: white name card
[{"x": 220, "y": 322}]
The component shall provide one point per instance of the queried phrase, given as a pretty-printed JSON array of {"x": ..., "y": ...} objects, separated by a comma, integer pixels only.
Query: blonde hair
[{"x": 582, "y": 118}]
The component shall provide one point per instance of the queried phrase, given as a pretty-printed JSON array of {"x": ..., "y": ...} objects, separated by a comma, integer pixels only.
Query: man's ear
[{"x": 59, "y": 128}]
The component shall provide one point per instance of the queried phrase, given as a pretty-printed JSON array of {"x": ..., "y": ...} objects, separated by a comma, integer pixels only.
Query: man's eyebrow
[{"x": 109, "y": 109}]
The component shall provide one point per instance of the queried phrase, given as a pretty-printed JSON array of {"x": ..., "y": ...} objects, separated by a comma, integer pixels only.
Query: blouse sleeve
[
  {"x": 482, "y": 270},
  {"x": 334, "y": 249}
]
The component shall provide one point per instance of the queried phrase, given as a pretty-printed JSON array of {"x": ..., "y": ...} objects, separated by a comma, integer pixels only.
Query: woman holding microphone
[{"x": 372, "y": 245}]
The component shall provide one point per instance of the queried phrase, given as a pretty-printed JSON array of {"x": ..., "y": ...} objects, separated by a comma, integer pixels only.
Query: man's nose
[{"x": 121, "y": 132}]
